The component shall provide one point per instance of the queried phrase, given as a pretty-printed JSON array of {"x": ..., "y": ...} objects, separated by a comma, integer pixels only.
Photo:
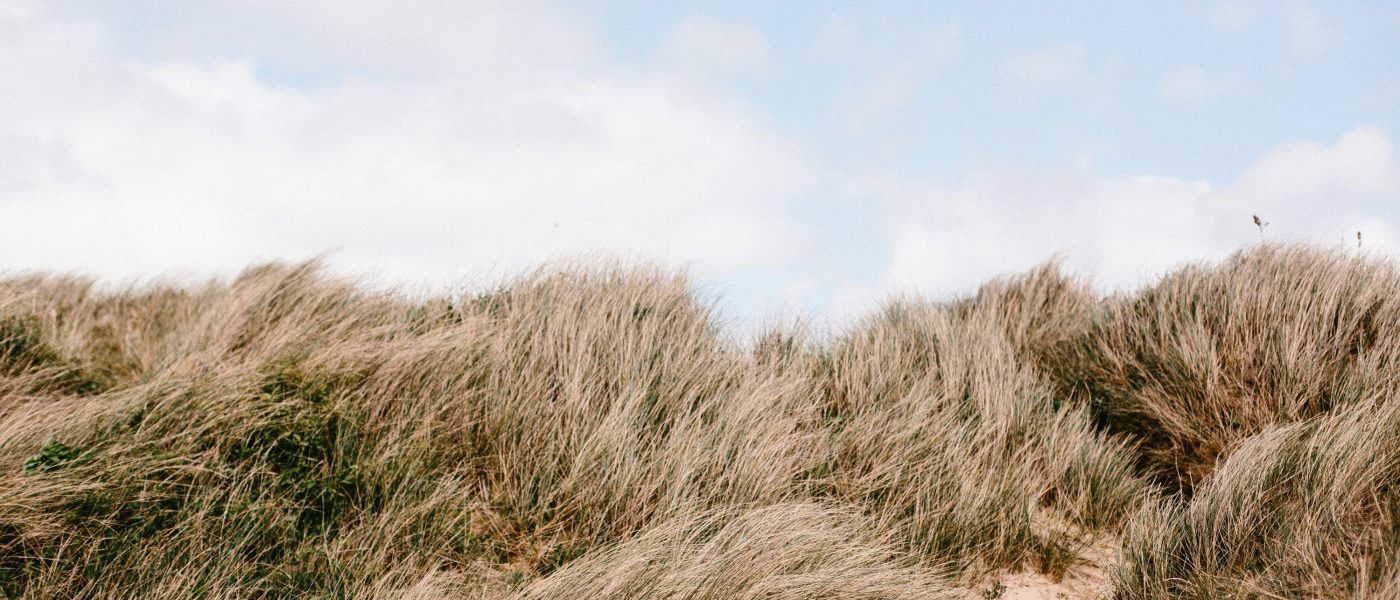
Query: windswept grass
[
  {"x": 588, "y": 431},
  {"x": 1303, "y": 510},
  {"x": 781, "y": 551},
  {"x": 1209, "y": 356},
  {"x": 939, "y": 429}
]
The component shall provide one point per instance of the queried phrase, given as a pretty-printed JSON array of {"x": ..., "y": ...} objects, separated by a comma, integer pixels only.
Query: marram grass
[{"x": 1229, "y": 431}]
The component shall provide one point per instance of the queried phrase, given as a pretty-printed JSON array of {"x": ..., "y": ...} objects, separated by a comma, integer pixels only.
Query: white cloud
[
  {"x": 1361, "y": 164},
  {"x": 228, "y": 87},
  {"x": 31, "y": 163},
  {"x": 452, "y": 139},
  {"x": 1191, "y": 84},
  {"x": 1233, "y": 15},
  {"x": 496, "y": 39},
  {"x": 947, "y": 237},
  {"x": 852, "y": 301},
  {"x": 1062, "y": 66},
  {"x": 131, "y": 167},
  {"x": 16, "y": 9},
  {"x": 1008, "y": 219},
  {"x": 711, "y": 47}
]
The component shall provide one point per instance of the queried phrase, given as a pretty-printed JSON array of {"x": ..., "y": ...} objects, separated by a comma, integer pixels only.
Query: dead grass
[
  {"x": 589, "y": 431},
  {"x": 1210, "y": 356}
]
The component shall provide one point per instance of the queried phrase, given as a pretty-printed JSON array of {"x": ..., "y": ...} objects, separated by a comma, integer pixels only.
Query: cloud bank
[
  {"x": 124, "y": 166},
  {"x": 443, "y": 142}
]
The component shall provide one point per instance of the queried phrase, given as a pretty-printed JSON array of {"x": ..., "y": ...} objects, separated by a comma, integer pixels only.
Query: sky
[{"x": 799, "y": 159}]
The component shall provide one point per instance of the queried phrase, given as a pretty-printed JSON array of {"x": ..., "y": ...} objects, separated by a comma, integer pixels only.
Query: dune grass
[
  {"x": 1209, "y": 356},
  {"x": 1303, "y": 510},
  {"x": 590, "y": 431}
]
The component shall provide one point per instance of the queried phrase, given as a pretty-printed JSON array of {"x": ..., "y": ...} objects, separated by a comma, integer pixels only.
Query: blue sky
[{"x": 800, "y": 158}]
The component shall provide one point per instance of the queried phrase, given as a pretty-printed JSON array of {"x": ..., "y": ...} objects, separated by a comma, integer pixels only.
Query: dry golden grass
[
  {"x": 590, "y": 432},
  {"x": 1210, "y": 356},
  {"x": 1303, "y": 510}
]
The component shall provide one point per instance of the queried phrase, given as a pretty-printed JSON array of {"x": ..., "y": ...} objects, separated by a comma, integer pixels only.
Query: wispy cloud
[
  {"x": 135, "y": 167},
  {"x": 838, "y": 159},
  {"x": 713, "y": 48},
  {"x": 951, "y": 234},
  {"x": 1362, "y": 163}
]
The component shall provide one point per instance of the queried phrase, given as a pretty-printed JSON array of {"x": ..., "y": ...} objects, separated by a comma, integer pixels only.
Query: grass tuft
[{"x": 591, "y": 431}]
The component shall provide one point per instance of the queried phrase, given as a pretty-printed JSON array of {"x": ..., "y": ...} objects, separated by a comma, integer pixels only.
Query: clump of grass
[
  {"x": 1039, "y": 312},
  {"x": 586, "y": 430},
  {"x": 1302, "y": 510},
  {"x": 937, "y": 427},
  {"x": 607, "y": 400},
  {"x": 294, "y": 420},
  {"x": 1206, "y": 357},
  {"x": 26, "y": 355},
  {"x": 221, "y": 468},
  {"x": 781, "y": 551},
  {"x": 306, "y": 448}
]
